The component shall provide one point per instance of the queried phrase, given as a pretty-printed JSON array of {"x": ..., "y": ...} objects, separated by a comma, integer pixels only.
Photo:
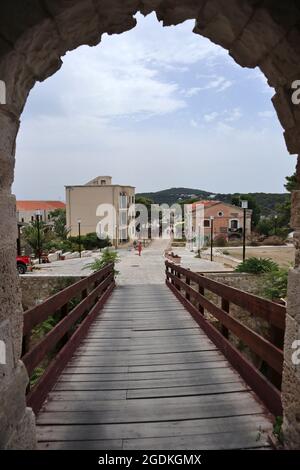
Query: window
[
  {"x": 234, "y": 224},
  {"x": 123, "y": 218},
  {"x": 123, "y": 201},
  {"x": 221, "y": 214},
  {"x": 22, "y": 220},
  {"x": 123, "y": 235},
  {"x": 103, "y": 182},
  {"x": 206, "y": 223},
  {"x": 32, "y": 218}
]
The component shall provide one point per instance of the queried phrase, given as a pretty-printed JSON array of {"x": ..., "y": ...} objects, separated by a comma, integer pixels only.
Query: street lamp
[
  {"x": 244, "y": 207},
  {"x": 275, "y": 224},
  {"x": 38, "y": 216},
  {"x": 211, "y": 237},
  {"x": 79, "y": 236}
]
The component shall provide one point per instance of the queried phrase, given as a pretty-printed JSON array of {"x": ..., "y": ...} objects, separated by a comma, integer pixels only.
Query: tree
[
  {"x": 284, "y": 209},
  {"x": 145, "y": 201},
  {"x": 60, "y": 223},
  {"x": 36, "y": 235},
  {"x": 292, "y": 183}
]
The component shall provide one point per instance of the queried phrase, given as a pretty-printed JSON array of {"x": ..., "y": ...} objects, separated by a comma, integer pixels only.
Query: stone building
[
  {"x": 83, "y": 202},
  {"x": 28, "y": 210},
  {"x": 225, "y": 220}
]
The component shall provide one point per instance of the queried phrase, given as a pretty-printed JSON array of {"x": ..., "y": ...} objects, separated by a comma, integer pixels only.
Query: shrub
[
  {"x": 257, "y": 266},
  {"x": 90, "y": 241},
  {"x": 220, "y": 242},
  {"x": 275, "y": 284},
  {"x": 274, "y": 240},
  {"x": 106, "y": 258}
]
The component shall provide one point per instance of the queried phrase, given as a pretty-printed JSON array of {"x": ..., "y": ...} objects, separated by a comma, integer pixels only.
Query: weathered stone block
[
  {"x": 291, "y": 405},
  {"x": 13, "y": 403},
  {"x": 282, "y": 102},
  {"x": 24, "y": 436},
  {"x": 293, "y": 306},
  {"x": 295, "y": 217}
]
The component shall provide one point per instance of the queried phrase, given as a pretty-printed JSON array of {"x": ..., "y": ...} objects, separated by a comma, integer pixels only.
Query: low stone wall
[
  {"x": 36, "y": 289},
  {"x": 247, "y": 282}
]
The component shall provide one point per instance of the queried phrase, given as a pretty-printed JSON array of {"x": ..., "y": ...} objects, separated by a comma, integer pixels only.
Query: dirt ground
[{"x": 283, "y": 255}]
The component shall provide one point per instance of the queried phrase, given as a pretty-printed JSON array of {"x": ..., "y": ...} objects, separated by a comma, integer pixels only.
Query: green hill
[{"x": 266, "y": 201}]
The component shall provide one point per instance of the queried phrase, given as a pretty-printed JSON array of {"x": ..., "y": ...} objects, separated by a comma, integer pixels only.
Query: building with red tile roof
[{"x": 27, "y": 210}]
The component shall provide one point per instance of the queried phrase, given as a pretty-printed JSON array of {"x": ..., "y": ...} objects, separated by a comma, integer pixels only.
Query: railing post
[
  {"x": 172, "y": 280},
  {"x": 84, "y": 294},
  {"x": 201, "y": 291},
  {"x": 226, "y": 307},
  {"x": 188, "y": 282},
  {"x": 178, "y": 285}
]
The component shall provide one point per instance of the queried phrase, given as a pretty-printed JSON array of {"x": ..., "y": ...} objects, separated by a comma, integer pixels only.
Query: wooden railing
[
  {"x": 89, "y": 296},
  {"x": 190, "y": 289}
]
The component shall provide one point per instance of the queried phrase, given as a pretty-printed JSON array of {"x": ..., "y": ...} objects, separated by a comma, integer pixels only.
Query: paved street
[{"x": 145, "y": 269}]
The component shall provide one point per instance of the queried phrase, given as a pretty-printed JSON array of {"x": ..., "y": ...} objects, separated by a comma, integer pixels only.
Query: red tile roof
[
  {"x": 204, "y": 203},
  {"x": 40, "y": 205}
]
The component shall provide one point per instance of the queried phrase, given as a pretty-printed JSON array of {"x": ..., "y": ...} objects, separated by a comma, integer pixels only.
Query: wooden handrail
[
  {"x": 262, "y": 347},
  {"x": 93, "y": 292},
  {"x": 270, "y": 351},
  {"x": 273, "y": 313},
  {"x": 38, "y": 314}
]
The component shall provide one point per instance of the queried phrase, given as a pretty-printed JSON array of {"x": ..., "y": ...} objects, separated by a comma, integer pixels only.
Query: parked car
[{"x": 23, "y": 264}]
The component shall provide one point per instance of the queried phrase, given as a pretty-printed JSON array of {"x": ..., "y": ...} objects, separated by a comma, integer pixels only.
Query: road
[{"x": 145, "y": 269}]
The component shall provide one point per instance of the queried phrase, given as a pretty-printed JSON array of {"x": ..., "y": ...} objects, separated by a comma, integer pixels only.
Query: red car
[{"x": 23, "y": 264}]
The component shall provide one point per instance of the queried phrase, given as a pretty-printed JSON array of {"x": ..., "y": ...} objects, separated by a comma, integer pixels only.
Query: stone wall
[{"x": 36, "y": 289}]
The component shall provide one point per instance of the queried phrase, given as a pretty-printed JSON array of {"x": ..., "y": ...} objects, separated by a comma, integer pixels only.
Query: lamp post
[
  {"x": 244, "y": 207},
  {"x": 275, "y": 224},
  {"x": 211, "y": 237},
  {"x": 79, "y": 236},
  {"x": 19, "y": 240},
  {"x": 38, "y": 215}
]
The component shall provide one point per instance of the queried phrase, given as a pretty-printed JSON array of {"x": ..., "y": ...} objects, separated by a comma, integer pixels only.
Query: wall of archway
[{"x": 34, "y": 35}]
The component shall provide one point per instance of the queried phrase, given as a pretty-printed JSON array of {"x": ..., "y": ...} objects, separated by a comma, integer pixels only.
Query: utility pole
[
  {"x": 38, "y": 215},
  {"x": 244, "y": 207},
  {"x": 79, "y": 236},
  {"x": 211, "y": 237}
]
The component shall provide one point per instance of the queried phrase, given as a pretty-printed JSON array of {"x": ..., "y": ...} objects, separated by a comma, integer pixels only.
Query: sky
[{"x": 154, "y": 108}]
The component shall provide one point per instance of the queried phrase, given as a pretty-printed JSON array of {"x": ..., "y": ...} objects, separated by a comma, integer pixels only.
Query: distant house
[
  {"x": 228, "y": 220},
  {"x": 28, "y": 210},
  {"x": 83, "y": 201}
]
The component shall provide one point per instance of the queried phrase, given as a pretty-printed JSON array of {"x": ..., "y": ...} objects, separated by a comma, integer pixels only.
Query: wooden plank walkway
[{"x": 147, "y": 377}]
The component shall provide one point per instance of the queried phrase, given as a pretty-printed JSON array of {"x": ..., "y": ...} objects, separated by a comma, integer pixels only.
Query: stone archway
[{"x": 34, "y": 35}]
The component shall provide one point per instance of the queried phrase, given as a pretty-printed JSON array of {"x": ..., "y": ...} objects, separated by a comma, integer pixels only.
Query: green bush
[
  {"x": 106, "y": 258},
  {"x": 90, "y": 241},
  {"x": 257, "y": 266},
  {"x": 220, "y": 242}
]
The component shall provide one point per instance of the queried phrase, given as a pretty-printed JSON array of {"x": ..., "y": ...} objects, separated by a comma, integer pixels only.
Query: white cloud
[
  {"x": 192, "y": 92},
  {"x": 226, "y": 116},
  {"x": 266, "y": 114},
  {"x": 210, "y": 117},
  {"x": 233, "y": 115},
  {"x": 194, "y": 123}
]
